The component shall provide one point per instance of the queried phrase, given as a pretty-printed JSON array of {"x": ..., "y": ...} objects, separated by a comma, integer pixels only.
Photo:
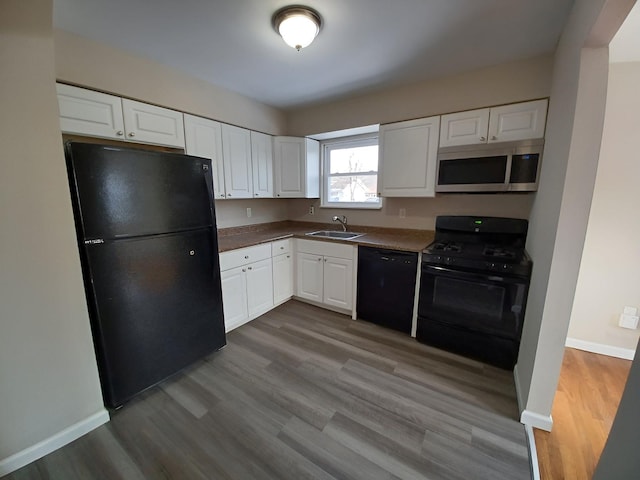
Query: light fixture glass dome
[{"x": 298, "y": 26}]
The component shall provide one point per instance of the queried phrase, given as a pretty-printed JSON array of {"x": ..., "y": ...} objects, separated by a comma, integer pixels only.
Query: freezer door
[
  {"x": 119, "y": 192},
  {"x": 157, "y": 307}
]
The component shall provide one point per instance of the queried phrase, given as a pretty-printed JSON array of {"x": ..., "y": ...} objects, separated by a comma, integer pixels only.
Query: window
[{"x": 350, "y": 172}]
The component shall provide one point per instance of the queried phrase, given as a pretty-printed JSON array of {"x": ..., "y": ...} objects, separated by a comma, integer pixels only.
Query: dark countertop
[{"x": 392, "y": 238}]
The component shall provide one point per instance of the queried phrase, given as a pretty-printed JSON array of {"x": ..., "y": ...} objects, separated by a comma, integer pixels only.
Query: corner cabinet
[
  {"x": 203, "y": 138},
  {"x": 95, "y": 114},
  {"x": 506, "y": 123},
  {"x": 297, "y": 167},
  {"x": 407, "y": 158}
]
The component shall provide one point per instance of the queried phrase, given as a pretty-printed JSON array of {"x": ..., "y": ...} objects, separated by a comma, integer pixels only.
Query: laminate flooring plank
[
  {"x": 306, "y": 393},
  {"x": 329, "y": 455}
]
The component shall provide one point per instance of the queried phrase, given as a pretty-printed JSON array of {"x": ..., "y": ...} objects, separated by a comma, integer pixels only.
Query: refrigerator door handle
[{"x": 208, "y": 180}]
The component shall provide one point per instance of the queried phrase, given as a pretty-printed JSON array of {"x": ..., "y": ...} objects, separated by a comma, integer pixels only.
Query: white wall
[
  {"x": 500, "y": 84},
  {"x": 48, "y": 375},
  {"x": 560, "y": 211},
  {"x": 93, "y": 65},
  {"x": 606, "y": 285}
]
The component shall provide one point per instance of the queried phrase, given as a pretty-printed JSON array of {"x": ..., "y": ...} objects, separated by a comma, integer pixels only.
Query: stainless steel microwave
[{"x": 492, "y": 167}]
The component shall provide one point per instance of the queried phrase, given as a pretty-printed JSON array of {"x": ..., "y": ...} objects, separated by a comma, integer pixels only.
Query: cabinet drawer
[
  {"x": 243, "y": 256},
  {"x": 329, "y": 249},
  {"x": 280, "y": 246}
]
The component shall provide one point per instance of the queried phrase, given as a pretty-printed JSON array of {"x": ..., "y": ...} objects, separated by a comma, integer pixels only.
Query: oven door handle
[{"x": 434, "y": 270}]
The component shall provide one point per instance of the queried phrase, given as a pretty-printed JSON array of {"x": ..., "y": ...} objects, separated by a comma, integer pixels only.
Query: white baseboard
[
  {"x": 533, "y": 419},
  {"x": 533, "y": 453},
  {"x": 602, "y": 349},
  {"x": 48, "y": 445}
]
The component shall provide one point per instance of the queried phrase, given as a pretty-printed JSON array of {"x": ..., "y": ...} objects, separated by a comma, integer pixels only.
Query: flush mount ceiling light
[{"x": 297, "y": 25}]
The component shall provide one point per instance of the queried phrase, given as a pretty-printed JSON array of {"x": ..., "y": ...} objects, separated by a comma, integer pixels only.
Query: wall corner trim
[
  {"x": 600, "y": 348},
  {"x": 536, "y": 420},
  {"x": 533, "y": 453},
  {"x": 516, "y": 381},
  {"x": 48, "y": 445}
]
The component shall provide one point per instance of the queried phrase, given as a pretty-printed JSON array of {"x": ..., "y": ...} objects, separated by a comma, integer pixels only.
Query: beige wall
[
  {"x": 507, "y": 83},
  {"x": 233, "y": 213},
  {"x": 93, "y": 65},
  {"x": 605, "y": 286},
  {"x": 420, "y": 213},
  {"x": 48, "y": 374},
  {"x": 560, "y": 212}
]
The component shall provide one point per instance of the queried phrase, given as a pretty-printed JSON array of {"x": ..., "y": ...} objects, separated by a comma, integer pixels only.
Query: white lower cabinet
[
  {"x": 247, "y": 284},
  {"x": 325, "y": 273}
]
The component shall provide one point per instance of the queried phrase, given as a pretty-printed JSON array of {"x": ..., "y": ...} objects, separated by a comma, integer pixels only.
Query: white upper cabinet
[
  {"x": 95, "y": 114},
  {"x": 150, "y": 124},
  {"x": 464, "y": 128},
  {"x": 519, "y": 121},
  {"x": 297, "y": 167},
  {"x": 262, "y": 165},
  {"x": 236, "y": 148},
  {"x": 86, "y": 112},
  {"x": 408, "y": 154},
  {"x": 203, "y": 138}
]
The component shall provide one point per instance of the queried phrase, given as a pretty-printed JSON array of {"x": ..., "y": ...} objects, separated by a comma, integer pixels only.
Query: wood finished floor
[
  {"x": 586, "y": 402},
  {"x": 304, "y": 393}
]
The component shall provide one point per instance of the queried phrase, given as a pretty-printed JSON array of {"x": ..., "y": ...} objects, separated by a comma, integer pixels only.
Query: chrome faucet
[{"x": 342, "y": 220}]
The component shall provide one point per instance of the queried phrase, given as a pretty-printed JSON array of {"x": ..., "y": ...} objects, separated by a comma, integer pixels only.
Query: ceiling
[{"x": 364, "y": 45}]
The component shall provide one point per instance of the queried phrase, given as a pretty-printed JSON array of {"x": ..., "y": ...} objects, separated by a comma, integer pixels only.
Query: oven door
[{"x": 484, "y": 303}]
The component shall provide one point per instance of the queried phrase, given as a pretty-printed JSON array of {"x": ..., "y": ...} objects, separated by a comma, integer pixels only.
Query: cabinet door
[
  {"x": 203, "y": 138},
  {"x": 150, "y": 124},
  {"x": 89, "y": 113},
  {"x": 234, "y": 297},
  {"x": 282, "y": 278},
  {"x": 519, "y": 121},
  {"x": 236, "y": 154},
  {"x": 408, "y": 154},
  {"x": 289, "y": 167},
  {"x": 464, "y": 128},
  {"x": 309, "y": 276},
  {"x": 338, "y": 282},
  {"x": 262, "y": 164},
  {"x": 259, "y": 287}
]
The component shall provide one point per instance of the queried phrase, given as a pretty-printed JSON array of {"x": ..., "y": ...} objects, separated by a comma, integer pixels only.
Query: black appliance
[
  {"x": 386, "y": 287},
  {"x": 473, "y": 288},
  {"x": 148, "y": 246}
]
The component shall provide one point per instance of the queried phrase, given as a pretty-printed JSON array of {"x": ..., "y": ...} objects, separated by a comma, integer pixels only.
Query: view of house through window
[{"x": 351, "y": 172}]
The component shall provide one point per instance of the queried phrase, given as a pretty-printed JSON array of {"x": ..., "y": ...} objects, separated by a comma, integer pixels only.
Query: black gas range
[{"x": 474, "y": 286}]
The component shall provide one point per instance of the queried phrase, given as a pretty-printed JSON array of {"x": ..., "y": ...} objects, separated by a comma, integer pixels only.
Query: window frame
[{"x": 326, "y": 146}]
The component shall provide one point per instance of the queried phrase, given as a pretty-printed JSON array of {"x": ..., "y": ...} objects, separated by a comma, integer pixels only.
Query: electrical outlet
[
  {"x": 312, "y": 210},
  {"x": 403, "y": 212},
  {"x": 248, "y": 212}
]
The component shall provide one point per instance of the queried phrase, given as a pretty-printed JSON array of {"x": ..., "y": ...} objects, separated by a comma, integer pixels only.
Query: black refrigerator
[{"x": 147, "y": 236}]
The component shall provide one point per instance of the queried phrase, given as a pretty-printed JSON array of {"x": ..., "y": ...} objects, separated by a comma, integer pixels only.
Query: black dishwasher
[{"x": 386, "y": 287}]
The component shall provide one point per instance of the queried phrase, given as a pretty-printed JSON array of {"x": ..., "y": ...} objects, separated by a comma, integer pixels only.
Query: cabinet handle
[
  {"x": 482, "y": 139},
  {"x": 320, "y": 259},
  {"x": 278, "y": 194},
  {"x": 325, "y": 259},
  {"x": 281, "y": 248},
  {"x": 228, "y": 194},
  {"x": 246, "y": 257},
  {"x": 132, "y": 134},
  {"x": 119, "y": 133},
  {"x": 256, "y": 194},
  {"x": 248, "y": 268},
  {"x": 494, "y": 137},
  {"x": 288, "y": 256},
  {"x": 243, "y": 270},
  {"x": 222, "y": 195}
]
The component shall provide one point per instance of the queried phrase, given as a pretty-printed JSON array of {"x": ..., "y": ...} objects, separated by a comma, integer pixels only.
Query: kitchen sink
[{"x": 334, "y": 234}]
